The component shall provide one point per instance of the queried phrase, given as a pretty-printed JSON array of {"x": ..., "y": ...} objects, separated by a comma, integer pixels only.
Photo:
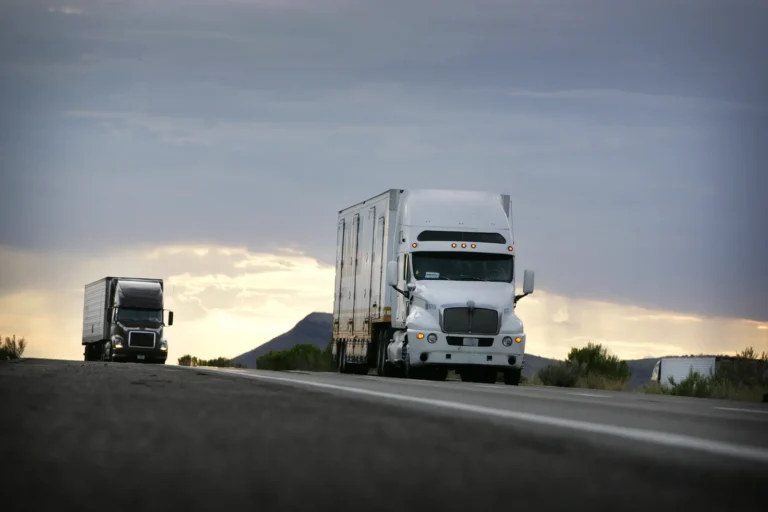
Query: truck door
[
  {"x": 404, "y": 272},
  {"x": 355, "y": 270},
  {"x": 377, "y": 269},
  {"x": 338, "y": 299}
]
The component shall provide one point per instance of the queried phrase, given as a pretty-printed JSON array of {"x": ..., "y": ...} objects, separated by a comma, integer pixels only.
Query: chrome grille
[
  {"x": 480, "y": 321},
  {"x": 139, "y": 339},
  {"x": 458, "y": 341}
]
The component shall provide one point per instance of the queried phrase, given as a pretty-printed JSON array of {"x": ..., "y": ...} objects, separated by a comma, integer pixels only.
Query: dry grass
[
  {"x": 707, "y": 387},
  {"x": 594, "y": 381}
]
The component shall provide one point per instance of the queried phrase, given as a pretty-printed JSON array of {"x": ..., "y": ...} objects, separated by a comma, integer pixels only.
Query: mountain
[{"x": 316, "y": 328}]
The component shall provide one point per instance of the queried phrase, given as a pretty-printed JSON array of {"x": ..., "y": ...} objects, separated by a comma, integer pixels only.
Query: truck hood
[
  {"x": 446, "y": 294},
  {"x": 485, "y": 294}
]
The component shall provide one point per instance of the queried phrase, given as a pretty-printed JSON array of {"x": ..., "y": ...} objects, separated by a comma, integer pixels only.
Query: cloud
[
  {"x": 630, "y": 137},
  {"x": 227, "y": 300},
  {"x": 69, "y": 11}
]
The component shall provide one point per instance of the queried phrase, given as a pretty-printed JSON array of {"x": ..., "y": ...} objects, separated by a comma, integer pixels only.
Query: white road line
[
  {"x": 647, "y": 436},
  {"x": 741, "y": 410},
  {"x": 590, "y": 394}
]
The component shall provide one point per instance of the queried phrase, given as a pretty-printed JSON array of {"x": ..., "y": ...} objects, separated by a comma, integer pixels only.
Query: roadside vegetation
[
  {"x": 304, "y": 356},
  {"x": 743, "y": 378},
  {"x": 12, "y": 348},
  {"x": 219, "y": 362},
  {"x": 589, "y": 367}
]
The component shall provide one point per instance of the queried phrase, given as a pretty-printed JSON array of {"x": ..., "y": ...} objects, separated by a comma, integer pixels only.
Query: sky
[{"x": 212, "y": 143}]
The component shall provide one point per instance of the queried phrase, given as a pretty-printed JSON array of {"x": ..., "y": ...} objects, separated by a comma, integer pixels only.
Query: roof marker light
[
  {"x": 463, "y": 246},
  {"x": 510, "y": 248}
]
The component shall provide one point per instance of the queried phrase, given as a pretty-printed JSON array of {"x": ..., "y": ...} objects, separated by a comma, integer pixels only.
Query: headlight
[
  {"x": 163, "y": 344},
  {"x": 507, "y": 341},
  {"x": 432, "y": 338},
  {"x": 117, "y": 341}
]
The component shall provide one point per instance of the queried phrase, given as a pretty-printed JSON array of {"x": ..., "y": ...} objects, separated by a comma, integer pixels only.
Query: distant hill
[{"x": 316, "y": 328}]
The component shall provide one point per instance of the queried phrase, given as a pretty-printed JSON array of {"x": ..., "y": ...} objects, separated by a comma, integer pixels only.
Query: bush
[
  {"x": 587, "y": 367},
  {"x": 219, "y": 362},
  {"x": 594, "y": 360},
  {"x": 12, "y": 348},
  {"x": 303, "y": 356},
  {"x": 562, "y": 374}
]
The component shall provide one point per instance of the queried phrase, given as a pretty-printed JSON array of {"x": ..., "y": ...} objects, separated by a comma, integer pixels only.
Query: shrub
[
  {"x": 562, "y": 374},
  {"x": 303, "y": 356},
  {"x": 595, "y": 360},
  {"x": 587, "y": 367},
  {"x": 219, "y": 362},
  {"x": 11, "y": 348}
]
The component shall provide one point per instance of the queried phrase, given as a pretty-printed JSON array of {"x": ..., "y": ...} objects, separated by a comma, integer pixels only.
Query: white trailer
[
  {"x": 425, "y": 282},
  {"x": 678, "y": 368}
]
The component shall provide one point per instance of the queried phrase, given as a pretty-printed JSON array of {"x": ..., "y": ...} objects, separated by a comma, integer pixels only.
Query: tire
[
  {"x": 381, "y": 354},
  {"x": 512, "y": 377},
  {"x": 439, "y": 374},
  {"x": 106, "y": 352},
  {"x": 408, "y": 372},
  {"x": 344, "y": 367},
  {"x": 340, "y": 357}
]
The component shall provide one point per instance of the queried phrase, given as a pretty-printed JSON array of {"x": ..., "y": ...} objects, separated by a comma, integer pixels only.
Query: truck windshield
[
  {"x": 127, "y": 315},
  {"x": 463, "y": 266}
]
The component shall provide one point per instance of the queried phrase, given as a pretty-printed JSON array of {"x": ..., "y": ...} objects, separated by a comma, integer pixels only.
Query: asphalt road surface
[{"x": 110, "y": 436}]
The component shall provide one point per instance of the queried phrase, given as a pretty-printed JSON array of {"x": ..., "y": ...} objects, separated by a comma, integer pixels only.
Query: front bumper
[
  {"x": 448, "y": 350},
  {"x": 139, "y": 354}
]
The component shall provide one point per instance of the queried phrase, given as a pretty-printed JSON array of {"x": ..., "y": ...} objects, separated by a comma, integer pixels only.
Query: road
[{"x": 111, "y": 436}]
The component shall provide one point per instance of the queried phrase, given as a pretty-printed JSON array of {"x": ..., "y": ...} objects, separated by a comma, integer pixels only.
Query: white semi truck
[{"x": 425, "y": 282}]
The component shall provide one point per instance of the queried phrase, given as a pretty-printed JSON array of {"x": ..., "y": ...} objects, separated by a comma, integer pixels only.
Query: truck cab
[
  {"x": 123, "y": 320},
  {"x": 138, "y": 321},
  {"x": 455, "y": 282}
]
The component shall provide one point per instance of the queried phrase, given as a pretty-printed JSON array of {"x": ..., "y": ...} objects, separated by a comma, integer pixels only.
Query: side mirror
[
  {"x": 392, "y": 273},
  {"x": 170, "y": 317},
  {"x": 411, "y": 287},
  {"x": 528, "y": 282}
]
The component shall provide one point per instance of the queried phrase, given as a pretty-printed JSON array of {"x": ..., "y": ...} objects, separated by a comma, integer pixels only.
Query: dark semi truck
[{"x": 123, "y": 320}]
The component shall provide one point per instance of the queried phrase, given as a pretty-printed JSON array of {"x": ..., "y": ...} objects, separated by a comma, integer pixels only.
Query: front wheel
[
  {"x": 381, "y": 355},
  {"x": 512, "y": 377},
  {"x": 106, "y": 352}
]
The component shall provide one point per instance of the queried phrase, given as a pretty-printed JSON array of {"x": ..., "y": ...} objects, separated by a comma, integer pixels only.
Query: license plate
[
  {"x": 471, "y": 342},
  {"x": 140, "y": 358}
]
